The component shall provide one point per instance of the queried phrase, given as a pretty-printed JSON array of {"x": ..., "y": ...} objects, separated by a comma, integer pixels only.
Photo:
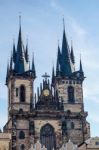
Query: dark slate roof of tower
[
  {"x": 19, "y": 61},
  {"x": 65, "y": 64}
]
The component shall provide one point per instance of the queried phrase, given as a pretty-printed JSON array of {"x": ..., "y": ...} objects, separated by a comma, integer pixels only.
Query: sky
[{"x": 43, "y": 27}]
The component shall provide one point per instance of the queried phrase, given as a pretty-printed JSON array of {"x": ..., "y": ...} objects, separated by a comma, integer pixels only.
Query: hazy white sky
[{"x": 42, "y": 24}]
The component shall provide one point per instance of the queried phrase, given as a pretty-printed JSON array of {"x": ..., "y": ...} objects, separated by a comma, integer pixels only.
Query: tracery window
[
  {"x": 22, "y": 93},
  {"x": 47, "y": 137},
  {"x": 71, "y": 94}
]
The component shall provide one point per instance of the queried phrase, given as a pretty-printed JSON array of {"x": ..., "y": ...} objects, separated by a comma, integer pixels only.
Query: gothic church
[{"x": 56, "y": 113}]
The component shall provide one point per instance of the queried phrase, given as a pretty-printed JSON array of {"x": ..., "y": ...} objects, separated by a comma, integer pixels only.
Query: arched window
[
  {"x": 22, "y": 147},
  {"x": 21, "y": 135},
  {"x": 22, "y": 93},
  {"x": 71, "y": 94}
]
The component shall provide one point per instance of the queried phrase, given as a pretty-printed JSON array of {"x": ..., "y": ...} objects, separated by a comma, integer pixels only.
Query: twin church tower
[{"x": 56, "y": 113}]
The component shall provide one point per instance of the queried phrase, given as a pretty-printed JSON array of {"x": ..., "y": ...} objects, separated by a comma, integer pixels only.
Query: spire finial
[
  {"x": 71, "y": 42},
  {"x": 27, "y": 40},
  {"x": 13, "y": 39},
  {"x": 19, "y": 19},
  {"x": 63, "y": 23}
]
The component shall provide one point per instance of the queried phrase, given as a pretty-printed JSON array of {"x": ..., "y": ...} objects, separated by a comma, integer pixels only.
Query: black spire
[
  {"x": 14, "y": 52},
  {"x": 26, "y": 53},
  {"x": 53, "y": 75},
  {"x": 8, "y": 70},
  {"x": 59, "y": 54},
  {"x": 58, "y": 62},
  {"x": 11, "y": 62},
  {"x": 65, "y": 66},
  {"x": 33, "y": 67},
  {"x": 20, "y": 56},
  {"x": 72, "y": 54},
  {"x": 20, "y": 43},
  {"x": 81, "y": 69}
]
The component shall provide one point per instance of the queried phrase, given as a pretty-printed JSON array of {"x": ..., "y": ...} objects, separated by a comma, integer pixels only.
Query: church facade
[{"x": 56, "y": 113}]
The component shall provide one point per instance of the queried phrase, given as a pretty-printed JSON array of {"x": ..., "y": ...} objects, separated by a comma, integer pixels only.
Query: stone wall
[{"x": 5, "y": 139}]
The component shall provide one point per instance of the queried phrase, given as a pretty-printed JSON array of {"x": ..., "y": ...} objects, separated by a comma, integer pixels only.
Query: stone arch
[{"x": 47, "y": 136}]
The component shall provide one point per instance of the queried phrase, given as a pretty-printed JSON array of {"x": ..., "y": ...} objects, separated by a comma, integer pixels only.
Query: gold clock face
[{"x": 46, "y": 92}]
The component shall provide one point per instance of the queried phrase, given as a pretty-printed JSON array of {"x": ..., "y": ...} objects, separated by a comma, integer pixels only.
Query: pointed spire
[
  {"x": 72, "y": 53},
  {"x": 65, "y": 46},
  {"x": 14, "y": 52},
  {"x": 65, "y": 66},
  {"x": 20, "y": 56},
  {"x": 33, "y": 67},
  {"x": 26, "y": 53},
  {"x": 7, "y": 74},
  {"x": 11, "y": 62},
  {"x": 20, "y": 43},
  {"x": 53, "y": 75},
  {"x": 59, "y": 54},
  {"x": 81, "y": 69},
  {"x": 58, "y": 62}
]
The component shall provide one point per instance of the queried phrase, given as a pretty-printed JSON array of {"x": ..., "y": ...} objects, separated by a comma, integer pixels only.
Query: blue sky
[{"x": 42, "y": 24}]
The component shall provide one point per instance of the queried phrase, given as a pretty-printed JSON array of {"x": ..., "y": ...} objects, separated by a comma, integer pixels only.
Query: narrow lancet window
[
  {"x": 71, "y": 94},
  {"x": 22, "y": 93},
  {"x": 17, "y": 92}
]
